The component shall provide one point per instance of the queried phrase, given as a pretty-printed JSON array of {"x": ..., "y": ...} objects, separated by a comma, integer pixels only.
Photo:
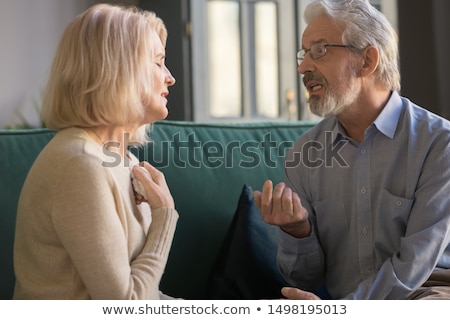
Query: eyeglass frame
[{"x": 324, "y": 45}]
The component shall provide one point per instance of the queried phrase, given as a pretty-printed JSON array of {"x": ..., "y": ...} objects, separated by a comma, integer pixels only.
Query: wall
[
  {"x": 29, "y": 34},
  {"x": 424, "y": 53},
  {"x": 175, "y": 14}
]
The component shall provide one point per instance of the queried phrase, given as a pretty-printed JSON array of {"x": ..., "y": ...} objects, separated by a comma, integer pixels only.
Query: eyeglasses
[{"x": 318, "y": 50}]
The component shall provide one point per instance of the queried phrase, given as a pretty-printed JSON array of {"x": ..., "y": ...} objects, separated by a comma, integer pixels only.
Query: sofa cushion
[{"x": 245, "y": 267}]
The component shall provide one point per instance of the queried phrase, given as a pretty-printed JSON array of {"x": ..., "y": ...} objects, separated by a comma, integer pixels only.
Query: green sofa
[{"x": 208, "y": 168}]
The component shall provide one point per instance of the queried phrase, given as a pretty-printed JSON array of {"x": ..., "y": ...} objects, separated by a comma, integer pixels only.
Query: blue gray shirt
[{"x": 380, "y": 209}]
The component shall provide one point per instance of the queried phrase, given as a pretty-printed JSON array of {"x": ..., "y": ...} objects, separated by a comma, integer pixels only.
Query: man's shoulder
[{"x": 421, "y": 118}]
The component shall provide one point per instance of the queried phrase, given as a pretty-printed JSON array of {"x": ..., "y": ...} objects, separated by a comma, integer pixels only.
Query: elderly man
[{"x": 365, "y": 210}]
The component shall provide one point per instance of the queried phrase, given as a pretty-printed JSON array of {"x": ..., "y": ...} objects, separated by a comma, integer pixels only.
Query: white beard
[{"x": 333, "y": 104}]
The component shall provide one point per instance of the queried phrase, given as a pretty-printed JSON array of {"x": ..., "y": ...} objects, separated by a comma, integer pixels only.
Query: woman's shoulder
[{"x": 70, "y": 149}]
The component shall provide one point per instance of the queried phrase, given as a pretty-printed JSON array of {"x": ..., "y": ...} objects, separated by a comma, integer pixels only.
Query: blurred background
[{"x": 234, "y": 60}]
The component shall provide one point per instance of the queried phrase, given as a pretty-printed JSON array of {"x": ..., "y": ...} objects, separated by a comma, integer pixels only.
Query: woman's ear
[{"x": 370, "y": 57}]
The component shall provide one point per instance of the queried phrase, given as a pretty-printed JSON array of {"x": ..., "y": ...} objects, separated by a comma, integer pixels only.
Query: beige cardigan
[{"x": 79, "y": 232}]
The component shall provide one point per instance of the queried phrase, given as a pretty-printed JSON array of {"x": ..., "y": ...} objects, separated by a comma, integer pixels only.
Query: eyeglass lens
[{"x": 316, "y": 51}]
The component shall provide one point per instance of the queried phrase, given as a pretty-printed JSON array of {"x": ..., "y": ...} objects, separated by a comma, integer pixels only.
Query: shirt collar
[
  {"x": 338, "y": 132},
  {"x": 387, "y": 120}
]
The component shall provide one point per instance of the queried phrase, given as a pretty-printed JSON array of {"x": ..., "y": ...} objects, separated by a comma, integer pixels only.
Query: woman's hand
[{"x": 155, "y": 186}]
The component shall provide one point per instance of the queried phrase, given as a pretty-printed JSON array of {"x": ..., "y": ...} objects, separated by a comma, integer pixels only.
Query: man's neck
[{"x": 356, "y": 118}]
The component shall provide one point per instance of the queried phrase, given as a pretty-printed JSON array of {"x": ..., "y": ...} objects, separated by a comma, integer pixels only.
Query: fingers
[
  {"x": 297, "y": 294},
  {"x": 280, "y": 206},
  {"x": 156, "y": 175},
  {"x": 280, "y": 199},
  {"x": 154, "y": 183},
  {"x": 257, "y": 198},
  {"x": 142, "y": 175},
  {"x": 266, "y": 198},
  {"x": 296, "y": 203},
  {"x": 285, "y": 200}
]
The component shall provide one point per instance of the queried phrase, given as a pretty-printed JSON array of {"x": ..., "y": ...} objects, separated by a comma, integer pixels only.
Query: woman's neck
[{"x": 115, "y": 139}]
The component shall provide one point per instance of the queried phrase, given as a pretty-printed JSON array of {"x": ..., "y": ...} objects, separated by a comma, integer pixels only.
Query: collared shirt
[{"x": 380, "y": 209}]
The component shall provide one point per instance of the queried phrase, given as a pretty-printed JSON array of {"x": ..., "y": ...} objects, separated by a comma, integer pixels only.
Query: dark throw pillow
[{"x": 246, "y": 264}]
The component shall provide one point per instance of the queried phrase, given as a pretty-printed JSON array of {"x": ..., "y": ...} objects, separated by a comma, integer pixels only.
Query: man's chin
[
  {"x": 317, "y": 108},
  {"x": 323, "y": 109}
]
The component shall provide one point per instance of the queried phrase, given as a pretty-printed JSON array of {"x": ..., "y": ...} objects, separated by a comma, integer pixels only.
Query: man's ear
[{"x": 369, "y": 58}]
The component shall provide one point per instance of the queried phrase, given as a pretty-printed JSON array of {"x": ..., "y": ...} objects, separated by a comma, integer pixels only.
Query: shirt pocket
[{"x": 391, "y": 221}]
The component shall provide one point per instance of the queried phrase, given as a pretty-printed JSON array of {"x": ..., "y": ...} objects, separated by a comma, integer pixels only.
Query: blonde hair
[
  {"x": 101, "y": 71},
  {"x": 364, "y": 26}
]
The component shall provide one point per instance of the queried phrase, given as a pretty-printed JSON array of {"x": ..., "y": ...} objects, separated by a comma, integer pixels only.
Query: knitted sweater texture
[{"x": 80, "y": 234}]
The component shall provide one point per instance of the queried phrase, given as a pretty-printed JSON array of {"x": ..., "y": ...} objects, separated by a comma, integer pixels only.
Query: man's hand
[
  {"x": 297, "y": 294},
  {"x": 280, "y": 206}
]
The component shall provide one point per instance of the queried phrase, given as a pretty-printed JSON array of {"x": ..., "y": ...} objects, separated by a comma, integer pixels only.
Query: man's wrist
[{"x": 298, "y": 230}]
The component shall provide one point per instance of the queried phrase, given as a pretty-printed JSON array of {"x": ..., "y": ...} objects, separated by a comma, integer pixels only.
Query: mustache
[{"x": 310, "y": 76}]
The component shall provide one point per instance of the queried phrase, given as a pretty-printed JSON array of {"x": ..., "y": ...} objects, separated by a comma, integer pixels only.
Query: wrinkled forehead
[{"x": 322, "y": 29}]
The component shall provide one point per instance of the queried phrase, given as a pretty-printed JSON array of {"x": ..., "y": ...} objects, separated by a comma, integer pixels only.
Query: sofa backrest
[
  {"x": 205, "y": 165},
  {"x": 206, "y": 180},
  {"x": 18, "y": 150}
]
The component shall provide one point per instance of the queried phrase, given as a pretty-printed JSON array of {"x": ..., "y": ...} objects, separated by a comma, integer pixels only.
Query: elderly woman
[{"x": 83, "y": 232}]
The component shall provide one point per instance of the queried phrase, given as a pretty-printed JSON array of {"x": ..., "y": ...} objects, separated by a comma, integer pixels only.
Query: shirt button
[
  {"x": 363, "y": 190},
  {"x": 399, "y": 203},
  {"x": 364, "y": 231},
  {"x": 363, "y": 151},
  {"x": 367, "y": 271}
]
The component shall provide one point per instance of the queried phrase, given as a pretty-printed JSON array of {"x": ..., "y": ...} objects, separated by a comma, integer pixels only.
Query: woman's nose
[{"x": 169, "y": 78}]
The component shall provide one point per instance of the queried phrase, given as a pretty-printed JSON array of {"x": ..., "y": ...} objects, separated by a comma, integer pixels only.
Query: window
[
  {"x": 244, "y": 63},
  {"x": 244, "y": 59},
  {"x": 224, "y": 59}
]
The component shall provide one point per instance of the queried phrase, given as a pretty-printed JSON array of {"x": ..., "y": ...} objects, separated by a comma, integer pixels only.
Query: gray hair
[{"x": 363, "y": 26}]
